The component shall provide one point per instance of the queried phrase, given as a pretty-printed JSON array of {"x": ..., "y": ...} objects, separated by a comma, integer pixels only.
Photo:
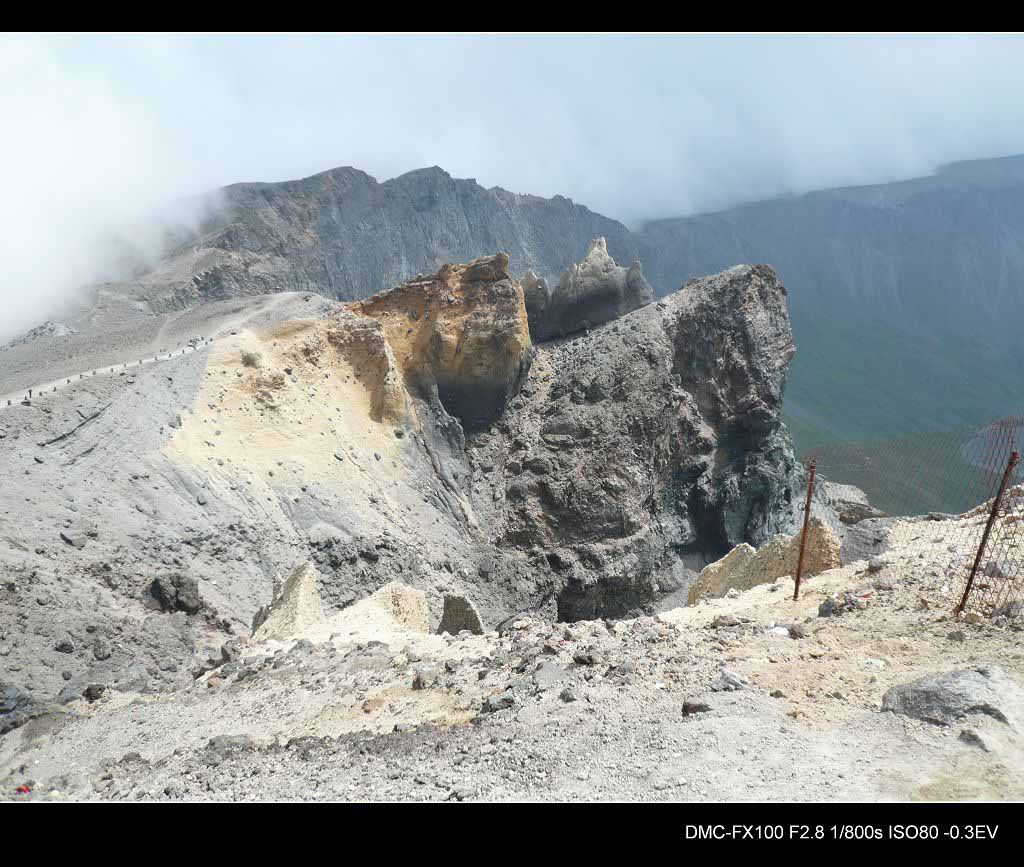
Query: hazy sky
[{"x": 100, "y": 129}]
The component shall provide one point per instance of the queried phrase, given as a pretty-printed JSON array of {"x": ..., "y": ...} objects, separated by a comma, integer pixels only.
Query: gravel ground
[{"x": 631, "y": 710}]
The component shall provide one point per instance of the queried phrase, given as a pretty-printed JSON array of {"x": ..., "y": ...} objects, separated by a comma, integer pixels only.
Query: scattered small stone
[
  {"x": 502, "y": 701},
  {"x": 728, "y": 681},
  {"x": 94, "y": 691},
  {"x": 423, "y": 678},
  {"x": 844, "y": 602},
  {"x": 101, "y": 649},
  {"x": 74, "y": 540},
  {"x": 585, "y": 657}
]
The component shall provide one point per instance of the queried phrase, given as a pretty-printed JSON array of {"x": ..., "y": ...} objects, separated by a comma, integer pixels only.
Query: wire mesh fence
[{"x": 952, "y": 500}]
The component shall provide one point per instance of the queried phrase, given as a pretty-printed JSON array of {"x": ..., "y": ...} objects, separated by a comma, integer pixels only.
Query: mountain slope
[
  {"x": 905, "y": 297},
  {"x": 148, "y": 510},
  {"x": 342, "y": 234}
]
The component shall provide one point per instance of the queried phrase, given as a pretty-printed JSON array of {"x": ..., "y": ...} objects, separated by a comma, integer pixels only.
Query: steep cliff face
[
  {"x": 462, "y": 332},
  {"x": 344, "y": 235},
  {"x": 938, "y": 254},
  {"x": 648, "y": 447},
  {"x": 913, "y": 285}
]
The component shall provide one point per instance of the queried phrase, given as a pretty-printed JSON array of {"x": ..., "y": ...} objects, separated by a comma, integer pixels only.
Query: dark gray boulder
[
  {"x": 177, "y": 592},
  {"x": 943, "y": 699},
  {"x": 18, "y": 706}
]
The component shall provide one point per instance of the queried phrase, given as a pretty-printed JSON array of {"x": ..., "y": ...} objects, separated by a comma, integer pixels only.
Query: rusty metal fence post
[
  {"x": 993, "y": 513},
  {"x": 812, "y": 469}
]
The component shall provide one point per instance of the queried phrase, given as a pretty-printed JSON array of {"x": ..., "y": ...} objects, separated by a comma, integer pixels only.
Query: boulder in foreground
[{"x": 942, "y": 699}]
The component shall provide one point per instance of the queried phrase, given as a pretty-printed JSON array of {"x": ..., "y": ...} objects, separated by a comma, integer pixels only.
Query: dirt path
[
  {"x": 37, "y": 391},
  {"x": 42, "y": 389}
]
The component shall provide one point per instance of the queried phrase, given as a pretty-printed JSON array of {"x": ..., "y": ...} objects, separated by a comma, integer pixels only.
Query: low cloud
[{"x": 105, "y": 132}]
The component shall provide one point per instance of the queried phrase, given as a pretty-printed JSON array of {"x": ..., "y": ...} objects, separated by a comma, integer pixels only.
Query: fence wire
[{"x": 943, "y": 487}]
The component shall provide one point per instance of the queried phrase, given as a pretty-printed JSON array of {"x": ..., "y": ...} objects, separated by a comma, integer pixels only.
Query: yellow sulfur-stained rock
[
  {"x": 464, "y": 329},
  {"x": 743, "y": 567},
  {"x": 294, "y": 609}
]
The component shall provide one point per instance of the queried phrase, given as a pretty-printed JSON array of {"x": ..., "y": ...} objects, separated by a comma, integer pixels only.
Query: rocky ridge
[{"x": 344, "y": 235}]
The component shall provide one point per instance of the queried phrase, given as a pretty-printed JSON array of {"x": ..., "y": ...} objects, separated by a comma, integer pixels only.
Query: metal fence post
[
  {"x": 812, "y": 469},
  {"x": 996, "y": 501}
]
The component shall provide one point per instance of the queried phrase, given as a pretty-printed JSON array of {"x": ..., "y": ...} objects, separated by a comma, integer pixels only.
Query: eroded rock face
[
  {"x": 589, "y": 293},
  {"x": 294, "y": 608},
  {"x": 462, "y": 331},
  {"x": 849, "y": 502},
  {"x": 405, "y": 604},
  {"x": 651, "y": 444},
  {"x": 459, "y": 614},
  {"x": 743, "y": 567},
  {"x": 344, "y": 235},
  {"x": 537, "y": 295},
  {"x": 627, "y": 457}
]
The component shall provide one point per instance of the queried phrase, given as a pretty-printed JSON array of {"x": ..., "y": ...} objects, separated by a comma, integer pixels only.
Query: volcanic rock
[
  {"x": 588, "y": 293},
  {"x": 177, "y": 592},
  {"x": 943, "y": 699},
  {"x": 463, "y": 331},
  {"x": 743, "y": 567},
  {"x": 678, "y": 457},
  {"x": 294, "y": 608}
]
